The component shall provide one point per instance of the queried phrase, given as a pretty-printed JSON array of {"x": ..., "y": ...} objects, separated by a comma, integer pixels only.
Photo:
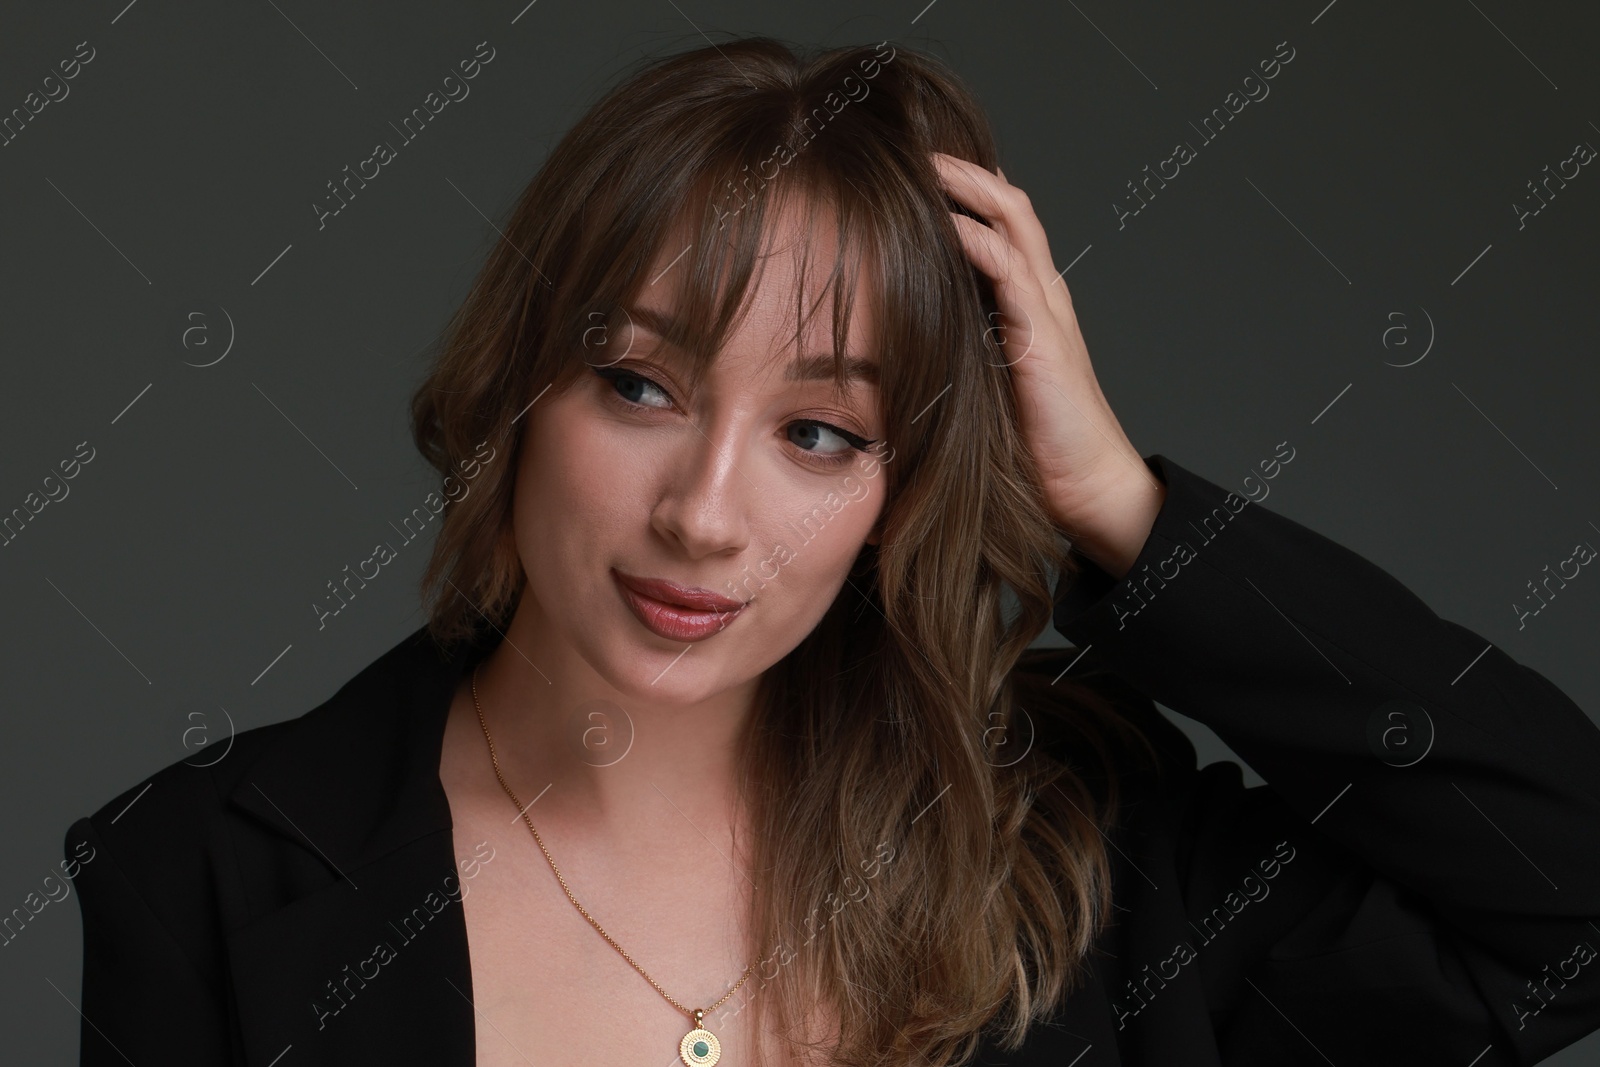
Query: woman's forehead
[
  {"x": 799, "y": 275},
  {"x": 799, "y": 241}
]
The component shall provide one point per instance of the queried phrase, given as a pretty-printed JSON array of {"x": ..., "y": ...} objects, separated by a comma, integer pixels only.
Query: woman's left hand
[{"x": 1096, "y": 487}]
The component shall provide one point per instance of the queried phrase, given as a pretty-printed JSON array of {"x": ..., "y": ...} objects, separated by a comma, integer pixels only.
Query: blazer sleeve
[
  {"x": 143, "y": 1000},
  {"x": 1446, "y": 794}
]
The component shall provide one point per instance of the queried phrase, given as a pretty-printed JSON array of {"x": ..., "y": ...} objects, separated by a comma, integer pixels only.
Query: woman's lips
[{"x": 674, "y": 621}]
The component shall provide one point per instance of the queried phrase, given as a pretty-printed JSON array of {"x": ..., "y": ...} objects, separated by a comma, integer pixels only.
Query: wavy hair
[{"x": 916, "y": 883}]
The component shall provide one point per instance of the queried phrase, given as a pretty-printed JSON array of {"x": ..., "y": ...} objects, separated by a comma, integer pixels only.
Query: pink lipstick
[{"x": 676, "y": 612}]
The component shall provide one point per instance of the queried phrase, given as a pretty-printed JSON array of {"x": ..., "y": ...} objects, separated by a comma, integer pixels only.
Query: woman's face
[{"x": 751, "y": 489}]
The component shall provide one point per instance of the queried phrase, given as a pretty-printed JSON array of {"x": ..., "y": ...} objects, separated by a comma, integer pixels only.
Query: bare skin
[{"x": 544, "y": 982}]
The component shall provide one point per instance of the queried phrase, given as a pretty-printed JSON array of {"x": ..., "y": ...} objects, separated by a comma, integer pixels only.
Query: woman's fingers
[
  {"x": 1009, "y": 212},
  {"x": 1022, "y": 302}
]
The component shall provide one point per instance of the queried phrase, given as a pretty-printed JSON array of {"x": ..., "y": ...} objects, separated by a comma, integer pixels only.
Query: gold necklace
[{"x": 699, "y": 1047}]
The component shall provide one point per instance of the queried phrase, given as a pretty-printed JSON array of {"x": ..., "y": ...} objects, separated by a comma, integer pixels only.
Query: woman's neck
[{"x": 601, "y": 760}]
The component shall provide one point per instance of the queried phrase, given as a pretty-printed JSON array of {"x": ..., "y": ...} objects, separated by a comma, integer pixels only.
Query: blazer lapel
[
  {"x": 369, "y": 975},
  {"x": 350, "y": 944}
]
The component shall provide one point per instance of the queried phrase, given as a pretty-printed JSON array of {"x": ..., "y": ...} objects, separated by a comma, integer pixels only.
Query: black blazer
[{"x": 1418, "y": 884}]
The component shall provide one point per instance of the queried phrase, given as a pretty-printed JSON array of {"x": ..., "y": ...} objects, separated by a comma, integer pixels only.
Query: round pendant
[{"x": 699, "y": 1048}]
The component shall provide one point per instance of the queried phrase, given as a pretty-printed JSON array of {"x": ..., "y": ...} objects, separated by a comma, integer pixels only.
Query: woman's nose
[{"x": 703, "y": 505}]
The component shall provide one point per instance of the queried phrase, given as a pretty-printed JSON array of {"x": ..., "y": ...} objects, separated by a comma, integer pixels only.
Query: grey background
[{"x": 1251, "y": 294}]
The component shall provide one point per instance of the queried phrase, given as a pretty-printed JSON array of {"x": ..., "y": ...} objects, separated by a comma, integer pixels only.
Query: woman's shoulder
[
  {"x": 1170, "y": 811},
  {"x": 1069, "y": 699},
  {"x": 188, "y": 814}
]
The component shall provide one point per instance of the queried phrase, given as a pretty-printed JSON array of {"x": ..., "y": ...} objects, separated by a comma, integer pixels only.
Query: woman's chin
[{"x": 651, "y": 671}]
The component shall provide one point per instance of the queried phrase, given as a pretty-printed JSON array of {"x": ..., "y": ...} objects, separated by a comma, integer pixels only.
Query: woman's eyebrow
[
  {"x": 813, "y": 367},
  {"x": 819, "y": 367}
]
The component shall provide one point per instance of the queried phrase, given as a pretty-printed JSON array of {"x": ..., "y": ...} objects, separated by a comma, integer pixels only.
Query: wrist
[{"x": 1112, "y": 530}]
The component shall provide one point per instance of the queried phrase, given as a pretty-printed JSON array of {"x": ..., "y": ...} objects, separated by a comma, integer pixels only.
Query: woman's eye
[
  {"x": 807, "y": 433},
  {"x": 630, "y": 386}
]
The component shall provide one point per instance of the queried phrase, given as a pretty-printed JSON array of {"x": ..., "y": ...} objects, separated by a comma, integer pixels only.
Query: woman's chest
[
  {"x": 548, "y": 988},
  {"x": 547, "y": 985}
]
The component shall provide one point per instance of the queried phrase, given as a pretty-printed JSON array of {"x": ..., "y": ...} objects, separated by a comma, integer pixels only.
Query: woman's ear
[{"x": 867, "y": 558}]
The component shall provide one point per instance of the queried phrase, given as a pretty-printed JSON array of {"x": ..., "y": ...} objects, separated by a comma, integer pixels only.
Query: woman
[{"x": 724, "y": 740}]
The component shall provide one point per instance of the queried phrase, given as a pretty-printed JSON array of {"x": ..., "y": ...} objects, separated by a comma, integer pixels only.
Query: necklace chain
[{"x": 695, "y": 1013}]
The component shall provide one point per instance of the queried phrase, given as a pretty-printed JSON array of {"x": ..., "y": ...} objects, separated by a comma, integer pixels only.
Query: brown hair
[{"x": 916, "y": 884}]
